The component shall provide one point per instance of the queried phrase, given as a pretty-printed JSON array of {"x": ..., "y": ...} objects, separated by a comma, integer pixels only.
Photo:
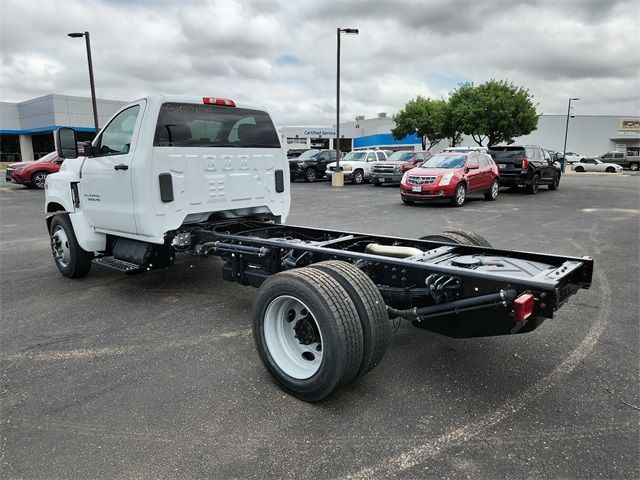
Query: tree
[
  {"x": 496, "y": 111},
  {"x": 423, "y": 116}
]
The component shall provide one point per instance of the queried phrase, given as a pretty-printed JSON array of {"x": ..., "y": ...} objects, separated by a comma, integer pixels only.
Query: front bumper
[
  {"x": 427, "y": 192},
  {"x": 386, "y": 177},
  {"x": 12, "y": 176}
]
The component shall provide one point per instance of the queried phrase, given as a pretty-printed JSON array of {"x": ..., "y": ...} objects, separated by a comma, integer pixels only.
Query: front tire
[
  {"x": 310, "y": 175},
  {"x": 358, "y": 177},
  {"x": 38, "y": 179},
  {"x": 459, "y": 196},
  {"x": 70, "y": 258},
  {"x": 634, "y": 167},
  {"x": 492, "y": 194},
  {"x": 307, "y": 332}
]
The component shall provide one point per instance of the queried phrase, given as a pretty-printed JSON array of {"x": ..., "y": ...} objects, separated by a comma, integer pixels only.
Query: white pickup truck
[
  {"x": 358, "y": 165},
  {"x": 172, "y": 175}
]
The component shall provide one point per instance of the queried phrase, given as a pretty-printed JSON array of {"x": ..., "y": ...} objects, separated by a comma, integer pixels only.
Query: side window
[
  {"x": 116, "y": 137},
  {"x": 381, "y": 156},
  {"x": 607, "y": 155},
  {"x": 371, "y": 157},
  {"x": 618, "y": 155},
  {"x": 547, "y": 157}
]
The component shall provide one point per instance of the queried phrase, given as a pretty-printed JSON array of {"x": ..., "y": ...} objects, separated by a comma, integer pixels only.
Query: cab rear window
[{"x": 191, "y": 125}]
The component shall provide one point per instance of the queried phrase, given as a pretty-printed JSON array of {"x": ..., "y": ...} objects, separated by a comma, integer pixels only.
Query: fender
[{"x": 59, "y": 200}]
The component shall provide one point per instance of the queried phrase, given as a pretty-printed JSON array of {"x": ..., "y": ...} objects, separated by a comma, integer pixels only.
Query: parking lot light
[
  {"x": 89, "y": 61},
  {"x": 566, "y": 130},
  {"x": 337, "y": 179}
]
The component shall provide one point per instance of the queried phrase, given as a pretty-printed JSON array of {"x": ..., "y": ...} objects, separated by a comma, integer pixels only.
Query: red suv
[
  {"x": 452, "y": 176},
  {"x": 33, "y": 174}
]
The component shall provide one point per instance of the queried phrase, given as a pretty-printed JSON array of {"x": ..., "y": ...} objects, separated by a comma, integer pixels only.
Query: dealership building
[{"x": 26, "y": 130}]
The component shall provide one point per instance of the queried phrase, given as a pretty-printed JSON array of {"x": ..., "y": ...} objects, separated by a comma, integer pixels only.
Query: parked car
[
  {"x": 311, "y": 164},
  {"x": 595, "y": 165},
  {"x": 624, "y": 159},
  {"x": 453, "y": 176},
  {"x": 571, "y": 157},
  {"x": 391, "y": 170},
  {"x": 33, "y": 174},
  {"x": 526, "y": 166},
  {"x": 357, "y": 165}
]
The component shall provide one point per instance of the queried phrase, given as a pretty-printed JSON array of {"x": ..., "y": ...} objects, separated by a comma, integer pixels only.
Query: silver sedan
[{"x": 595, "y": 165}]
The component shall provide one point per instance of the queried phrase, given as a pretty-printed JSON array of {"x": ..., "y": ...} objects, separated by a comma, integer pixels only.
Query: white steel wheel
[
  {"x": 60, "y": 246},
  {"x": 293, "y": 337}
]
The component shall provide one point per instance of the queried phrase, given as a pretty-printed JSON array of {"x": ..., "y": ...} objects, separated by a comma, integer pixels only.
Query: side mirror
[
  {"x": 473, "y": 166},
  {"x": 66, "y": 145}
]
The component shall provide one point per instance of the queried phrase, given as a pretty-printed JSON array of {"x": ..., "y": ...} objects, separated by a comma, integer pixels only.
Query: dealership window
[{"x": 9, "y": 148}]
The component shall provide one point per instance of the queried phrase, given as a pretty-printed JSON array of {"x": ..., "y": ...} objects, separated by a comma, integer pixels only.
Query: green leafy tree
[
  {"x": 423, "y": 116},
  {"x": 496, "y": 111}
]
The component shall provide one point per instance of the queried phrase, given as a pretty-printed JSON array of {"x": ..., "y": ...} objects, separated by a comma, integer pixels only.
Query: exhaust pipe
[{"x": 392, "y": 251}]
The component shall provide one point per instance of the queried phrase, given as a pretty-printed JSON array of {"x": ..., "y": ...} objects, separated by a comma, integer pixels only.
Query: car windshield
[
  {"x": 309, "y": 154},
  {"x": 445, "y": 161},
  {"x": 355, "y": 156},
  {"x": 400, "y": 157}
]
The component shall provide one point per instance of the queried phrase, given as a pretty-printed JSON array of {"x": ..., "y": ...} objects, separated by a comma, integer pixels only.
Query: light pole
[
  {"x": 337, "y": 179},
  {"x": 566, "y": 129},
  {"x": 93, "y": 87}
]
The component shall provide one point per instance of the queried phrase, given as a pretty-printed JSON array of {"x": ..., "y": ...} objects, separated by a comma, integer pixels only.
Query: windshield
[
  {"x": 308, "y": 154},
  {"x": 445, "y": 161},
  {"x": 400, "y": 157},
  {"x": 355, "y": 157}
]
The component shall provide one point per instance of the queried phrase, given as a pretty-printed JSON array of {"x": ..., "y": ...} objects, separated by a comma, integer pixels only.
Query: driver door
[{"x": 105, "y": 185}]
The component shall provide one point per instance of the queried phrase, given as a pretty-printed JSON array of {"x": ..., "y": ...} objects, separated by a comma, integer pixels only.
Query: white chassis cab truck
[{"x": 171, "y": 175}]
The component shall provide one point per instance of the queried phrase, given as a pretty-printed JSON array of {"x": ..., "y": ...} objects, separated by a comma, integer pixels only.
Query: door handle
[{"x": 121, "y": 166}]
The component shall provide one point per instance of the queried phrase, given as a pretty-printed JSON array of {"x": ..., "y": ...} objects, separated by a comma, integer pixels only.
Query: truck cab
[{"x": 163, "y": 162}]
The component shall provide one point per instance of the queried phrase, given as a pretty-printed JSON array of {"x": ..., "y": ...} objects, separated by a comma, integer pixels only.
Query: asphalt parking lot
[{"x": 156, "y": 375}]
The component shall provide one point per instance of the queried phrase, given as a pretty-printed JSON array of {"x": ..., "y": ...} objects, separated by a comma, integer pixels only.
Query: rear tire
[
  {"x": 492, "y": 194},
  {"x": 578, "y": 169},
  {"x": 408, "y": 202},
  {"x": 533, "y": 188},
  {"x": 70, "y": 258},
  {"x": 460, "y": 237},
  {"x": 307, "y": 332},
  {"x": 370, "y": 306}
]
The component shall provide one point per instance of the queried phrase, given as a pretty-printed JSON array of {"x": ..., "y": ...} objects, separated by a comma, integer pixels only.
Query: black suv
[
  {"x": 311, "y": 165},
  {"x": 526, "y": 166}
]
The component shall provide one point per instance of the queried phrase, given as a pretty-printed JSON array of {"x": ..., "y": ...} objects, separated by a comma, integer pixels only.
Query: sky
[{"x": 283, "y": 54}]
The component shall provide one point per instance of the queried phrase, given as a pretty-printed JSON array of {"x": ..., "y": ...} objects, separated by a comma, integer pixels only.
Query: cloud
[{"x": 283, "y": 55}]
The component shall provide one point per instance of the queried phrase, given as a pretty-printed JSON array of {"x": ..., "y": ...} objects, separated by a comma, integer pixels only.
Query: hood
[{"x": 432, "y": 172}]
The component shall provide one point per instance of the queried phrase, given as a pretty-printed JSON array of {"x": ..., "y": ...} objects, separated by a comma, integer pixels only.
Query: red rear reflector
[
  {"x": 218, "y": 101},
  {"x": 523, "y": 307}
]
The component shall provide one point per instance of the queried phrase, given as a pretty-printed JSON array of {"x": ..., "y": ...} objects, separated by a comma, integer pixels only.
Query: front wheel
[
  {"x": 38, "y": 179},
  {"x": 358, "y": 177},
  {"x": 70, "y": 258},
  {"x": 460, "y": 196},
  {"x": 307, "y": 332},
  {"x": 634, "y": 167},
  {"x": 310, "y": 175},
  {"x": 610, "y": 170},
  {"x": 492, "y": 194}
]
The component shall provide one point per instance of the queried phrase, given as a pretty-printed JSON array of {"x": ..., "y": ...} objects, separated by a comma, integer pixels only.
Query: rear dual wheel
[{"x": 317, "y": 328}]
